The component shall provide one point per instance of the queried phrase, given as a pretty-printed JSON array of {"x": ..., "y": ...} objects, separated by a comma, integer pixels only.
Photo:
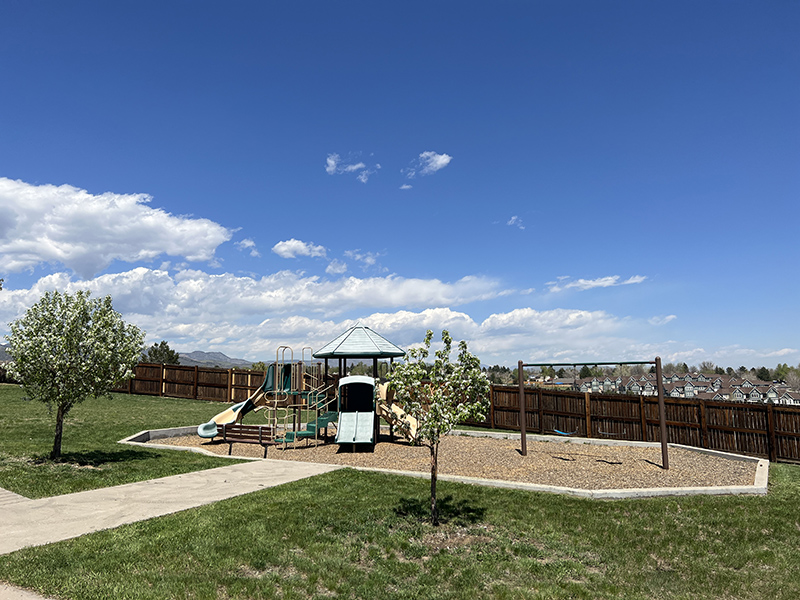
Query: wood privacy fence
[
  {"x": 201, "y": 383},
  {"x": 767, "y": 430},
  {"x": 771, "y": 431}
]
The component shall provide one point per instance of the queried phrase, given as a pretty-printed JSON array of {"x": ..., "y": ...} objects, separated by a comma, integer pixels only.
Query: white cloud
[
  {"x": 406, "y": 186},
  {"x": 332, "y": 164},
  {"x": 658, "y": 321},
  {"x": 336, "y": 267},
  {"x": 634, "y": 279},
  {"x": 194, "y": 293},
  {"x": 782, "y": 352},
  {"x": 515, "y": 221},
  {"x": 293, "y": 248},
  {"x": 367, "y": 259},
  {"x": 248, "y": 244},
  {"x": 87, "y": 232},
  {"x": 335, "y": 165},
  {"x": 428, "y": 163},
  {"x": 250, "y": 317},
  {"x": 587, "y": 284}
]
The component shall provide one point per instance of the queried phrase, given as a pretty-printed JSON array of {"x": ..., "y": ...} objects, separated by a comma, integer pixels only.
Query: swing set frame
[{"x": 662, "y": 419}]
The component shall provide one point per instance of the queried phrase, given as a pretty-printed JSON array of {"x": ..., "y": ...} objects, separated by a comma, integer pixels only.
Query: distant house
[{"x": 694, "y": 385}]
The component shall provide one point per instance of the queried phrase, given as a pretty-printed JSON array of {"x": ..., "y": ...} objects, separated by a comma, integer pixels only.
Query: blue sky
[{"x": 569, "y": 181}]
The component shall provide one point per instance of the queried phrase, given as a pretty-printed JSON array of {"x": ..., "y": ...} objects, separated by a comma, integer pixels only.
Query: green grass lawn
[
  {"x": 91, "y": 456},
  {"x": 351, "y": 534}
]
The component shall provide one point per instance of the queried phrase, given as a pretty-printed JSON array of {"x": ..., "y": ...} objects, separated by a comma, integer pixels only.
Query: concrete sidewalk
[{"x": 36, "y": 522}]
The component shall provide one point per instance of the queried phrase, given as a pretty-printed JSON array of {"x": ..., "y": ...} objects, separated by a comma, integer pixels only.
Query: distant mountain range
[{"x": 219, "y": 360}]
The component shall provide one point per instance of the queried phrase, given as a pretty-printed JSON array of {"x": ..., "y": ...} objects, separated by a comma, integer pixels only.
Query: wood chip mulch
[{"x": 573, "y": 464}]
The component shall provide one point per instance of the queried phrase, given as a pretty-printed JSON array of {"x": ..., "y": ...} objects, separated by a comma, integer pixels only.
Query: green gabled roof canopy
[{"x": 359, "y": 342}]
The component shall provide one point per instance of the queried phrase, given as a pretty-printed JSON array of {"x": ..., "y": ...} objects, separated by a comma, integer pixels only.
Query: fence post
[
  {"x": 773, "y": 448},
  {"x": 491, "y": 406},
  {"x": 163, "y": 379},
  {"x": 196, "y": 378},
  {"x": 522, "y": 411},
  {"x": 643, "y": 418},
  {"x": 540, "y": 401},
  {"x": 230, "y": 385},
  {"x": 588, "y": 405},
  {"x": 703, "y": 426}
]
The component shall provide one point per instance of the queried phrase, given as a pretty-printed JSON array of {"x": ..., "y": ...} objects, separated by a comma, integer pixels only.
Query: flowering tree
[
  {"x": 68, "y": 348},
  {"x": 439, "y": 396}
]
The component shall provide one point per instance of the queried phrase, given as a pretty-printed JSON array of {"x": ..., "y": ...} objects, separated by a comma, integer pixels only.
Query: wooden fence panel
[
  {"x": 147, "y": 380},
  {"x": 737, "y": 427},
  {"x": 787, "y": 433},
  {"x": 180, "y": 381},
  {"x": 244, "y": 383},
  {"x": 562, "y": 411},
  {"x": 213, "y": 384},
  {"x": 616, "y": 417}
]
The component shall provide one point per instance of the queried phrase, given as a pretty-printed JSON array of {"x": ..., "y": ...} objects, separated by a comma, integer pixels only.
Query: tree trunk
[
  {"x": 434, "y": 474},
  {"x": 60, "y": 414}
]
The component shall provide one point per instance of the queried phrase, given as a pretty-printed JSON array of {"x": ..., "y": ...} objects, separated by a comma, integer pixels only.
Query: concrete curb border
[
  {"x": 143, "y": 437},
  {"x": 759, "y": 487}
]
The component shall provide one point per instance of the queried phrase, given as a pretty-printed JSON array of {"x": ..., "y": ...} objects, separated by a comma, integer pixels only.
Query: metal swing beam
[{"x": 662, "y": 418}]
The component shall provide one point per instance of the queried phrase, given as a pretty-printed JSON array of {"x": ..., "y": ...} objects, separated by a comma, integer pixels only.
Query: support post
[
  {"x": 643, "y": 418},
  {"x": 772, "y": 446},
  {"x": 522, "y": 411},
  {"x": 587, "y": 399},
  {"x": 662, "y": 415},
  {"x": 704, "y": 442}
]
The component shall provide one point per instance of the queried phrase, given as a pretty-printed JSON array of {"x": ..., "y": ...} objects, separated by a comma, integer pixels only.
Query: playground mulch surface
[{"x": 574, "y": 465}]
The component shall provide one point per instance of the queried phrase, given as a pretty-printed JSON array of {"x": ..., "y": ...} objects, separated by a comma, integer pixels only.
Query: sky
[{"x": 566, "y": 181}]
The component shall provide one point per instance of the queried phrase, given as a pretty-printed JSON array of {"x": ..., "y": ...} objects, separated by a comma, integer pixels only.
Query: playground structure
[
  {"x": 300, "y": 401},
  {"x": 295, "y": 398}
]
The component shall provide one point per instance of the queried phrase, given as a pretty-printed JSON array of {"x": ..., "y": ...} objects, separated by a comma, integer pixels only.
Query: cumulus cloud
[
  {"x": 87, "y": 232},
  {"x": 195, "y": 292},
  {"x": 406, "y": 186},
  {"x": 249, "y": 316},
  {"x": 293, "y": 248},
  {"x": 427, "y": 163},
  {"x": 587, "y": 284}
]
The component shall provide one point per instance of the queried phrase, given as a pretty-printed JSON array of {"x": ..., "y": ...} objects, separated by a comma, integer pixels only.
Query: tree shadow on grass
[
  {"x": 460, "y": 512},
  {"x": 96, "y": 458}
]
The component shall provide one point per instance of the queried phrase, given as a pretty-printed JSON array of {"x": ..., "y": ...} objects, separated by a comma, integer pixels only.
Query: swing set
[{"x": 661, "y": 408}]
